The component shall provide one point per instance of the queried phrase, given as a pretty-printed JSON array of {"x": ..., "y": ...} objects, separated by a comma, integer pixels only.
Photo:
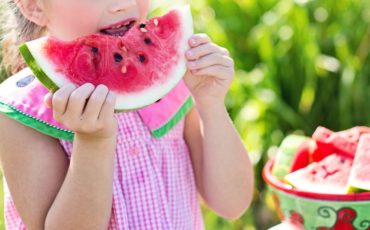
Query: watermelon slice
[
  {"x": 286, "y": 155},
  {"x": 343, "y": 142},
  {"x": 141, "y": 66},
  {"x": 359, "y": 179},
  {"x": 329, "y": 176}
]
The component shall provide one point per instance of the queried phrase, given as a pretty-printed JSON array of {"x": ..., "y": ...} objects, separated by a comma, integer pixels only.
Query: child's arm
[
  {"x": 47, "y": 192},
  {"x": 223, "y": 171}
]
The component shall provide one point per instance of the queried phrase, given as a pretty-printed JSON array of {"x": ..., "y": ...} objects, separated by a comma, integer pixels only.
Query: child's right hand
[{"x": 86, "y": 110}]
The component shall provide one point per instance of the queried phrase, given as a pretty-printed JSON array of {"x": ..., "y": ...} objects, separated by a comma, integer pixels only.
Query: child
[{"x": 115, "y": 175}]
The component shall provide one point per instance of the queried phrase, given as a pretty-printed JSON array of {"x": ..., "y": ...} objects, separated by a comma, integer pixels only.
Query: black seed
[
  {"x": 118, "y": 57},
  {"x": 147, "y": 41},
  {"x": 158, "y": 101},
  {"x": 142, "y": 25},
  {"x": 94, "y": 49},
  {"x": 142, "y": 58}
]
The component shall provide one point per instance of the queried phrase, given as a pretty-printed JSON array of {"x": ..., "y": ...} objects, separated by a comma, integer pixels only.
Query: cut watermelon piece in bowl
[
  {"x": 141, "y": 67},
  {"x": 329, "y": 176},
  {"x": 359, "y": 179},
  {"x": 294, "y": 150},
  {"x": 343, "y": 142}
]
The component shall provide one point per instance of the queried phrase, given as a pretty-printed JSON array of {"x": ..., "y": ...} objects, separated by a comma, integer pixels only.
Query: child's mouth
[{"x": 119, "y": 29}]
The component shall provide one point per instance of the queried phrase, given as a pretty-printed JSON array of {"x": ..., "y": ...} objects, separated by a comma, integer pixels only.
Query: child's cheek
[{"x": 68, "y": 23}]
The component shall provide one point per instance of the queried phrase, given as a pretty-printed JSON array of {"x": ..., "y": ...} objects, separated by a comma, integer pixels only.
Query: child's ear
[{"x": 33, "y": 10}]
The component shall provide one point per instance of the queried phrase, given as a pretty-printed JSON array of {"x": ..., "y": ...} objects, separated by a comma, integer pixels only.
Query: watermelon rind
[
  {"x": 36, "y": 69},
  {"x": 45, "y": 72},
  {"x": 285, "y": 155}
]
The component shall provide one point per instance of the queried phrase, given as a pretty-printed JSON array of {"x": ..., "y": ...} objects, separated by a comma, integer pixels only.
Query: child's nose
[{"x": 122, "y": 5}]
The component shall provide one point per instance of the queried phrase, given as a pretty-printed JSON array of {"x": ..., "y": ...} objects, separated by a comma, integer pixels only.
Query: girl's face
[{"x": 69, "y": 19}]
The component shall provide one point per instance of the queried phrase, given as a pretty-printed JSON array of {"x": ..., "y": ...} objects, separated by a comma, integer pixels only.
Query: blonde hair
[{"x": 16, "y": 30}]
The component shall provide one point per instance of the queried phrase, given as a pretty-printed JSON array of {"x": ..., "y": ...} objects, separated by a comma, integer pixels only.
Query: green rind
[
  {"x": 34, "y": 123},
  {"x": 172, "y": 122},
  {"x": 287, "y": 151},
  {"x": 36, "y": 69},
  {"x": 353, "y": 189}
]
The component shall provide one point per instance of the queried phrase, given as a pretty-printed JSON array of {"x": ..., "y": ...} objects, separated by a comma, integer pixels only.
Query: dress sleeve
[
  {"x": 162, "y": 116},
  {"x": 21, "y": 98}
]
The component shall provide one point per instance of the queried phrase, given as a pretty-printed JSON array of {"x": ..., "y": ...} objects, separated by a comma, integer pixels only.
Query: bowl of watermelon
[{"x": 322, "y": 182}]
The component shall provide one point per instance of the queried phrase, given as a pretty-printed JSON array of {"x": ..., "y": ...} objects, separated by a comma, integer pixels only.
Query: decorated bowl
[{"x": 309, "y": 210}]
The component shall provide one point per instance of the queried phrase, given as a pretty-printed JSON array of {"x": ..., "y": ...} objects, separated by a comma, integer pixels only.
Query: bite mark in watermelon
[
  {"x": 328, "y": 176},
  {"x": 140, "y": 67},
  {"x": 359, "y": 179}
]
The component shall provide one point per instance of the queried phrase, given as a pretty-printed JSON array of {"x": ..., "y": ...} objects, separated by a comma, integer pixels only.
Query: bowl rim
[{"x": 281, "y": 186}]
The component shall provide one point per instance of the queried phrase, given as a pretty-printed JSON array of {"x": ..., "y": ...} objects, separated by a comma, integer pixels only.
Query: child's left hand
[{"x": 210, "y": 71}]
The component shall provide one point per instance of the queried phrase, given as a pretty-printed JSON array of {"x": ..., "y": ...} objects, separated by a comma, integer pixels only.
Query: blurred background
[{"x": 299, "y": 64}]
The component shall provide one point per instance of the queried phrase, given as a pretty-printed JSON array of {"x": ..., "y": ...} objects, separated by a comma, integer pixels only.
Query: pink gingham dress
[{"x": 154, "y": 185}]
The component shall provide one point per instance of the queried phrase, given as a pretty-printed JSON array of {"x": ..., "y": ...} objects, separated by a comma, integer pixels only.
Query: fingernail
[
  {"x": 90, "y": 85},
  {"x": 190, "y": 54},
  {"x": 102, "y": 86},
  {"x": 193, "y": 41},
  {"x": 192, "y": 64}
]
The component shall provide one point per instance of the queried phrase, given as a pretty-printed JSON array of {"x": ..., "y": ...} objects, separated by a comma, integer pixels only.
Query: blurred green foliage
[{"x": 299, "y": 64}]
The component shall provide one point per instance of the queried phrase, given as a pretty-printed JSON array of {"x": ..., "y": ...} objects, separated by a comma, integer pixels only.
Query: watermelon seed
[
  {"x": 142, "y": 58},
  {"x": 147, "y": 41},
  {"x": 124, "y": 49},
  {"x": 142, "y": 25},
  {"x": 118, "y": 57},
  {"x": 94, "y": 49},
  {"x": 124, "y": 69},
  {"x": 155, "y": 22},
  {"x": 143, "y": 30}
]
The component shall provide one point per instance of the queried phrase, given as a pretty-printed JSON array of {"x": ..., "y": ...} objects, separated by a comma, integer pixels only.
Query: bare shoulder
[
  {"x": 19, "y": 143},
  {"x": 34, "y": 166},
  {"x": 14, "y": 135}
]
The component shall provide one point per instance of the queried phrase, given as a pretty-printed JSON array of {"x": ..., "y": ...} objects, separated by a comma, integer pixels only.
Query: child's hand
[
  {"x": 210, "y": 70},
  {"x": 86, "y": 110}
]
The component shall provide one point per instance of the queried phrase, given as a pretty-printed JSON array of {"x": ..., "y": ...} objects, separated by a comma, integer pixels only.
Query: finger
[
  {"x": 199, "y": 39},
  {"x": 107, "y": 110},
  {"x": 202, "y": 50},
  {"x": 48, "y": 100},
  {"x": 218, "y": 71},
  {"x": 95, "y": 103},
  {"x": 60, "y": 99},
  {"x": 77, "y": 101},
  {"x": 210, "y": 60}
]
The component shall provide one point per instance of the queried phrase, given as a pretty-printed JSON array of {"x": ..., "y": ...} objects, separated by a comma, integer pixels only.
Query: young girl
[{"x": 116, "y": 174}]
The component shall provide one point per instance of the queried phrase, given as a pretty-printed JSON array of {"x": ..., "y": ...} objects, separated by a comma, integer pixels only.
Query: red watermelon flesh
[
  {"x": 140, "y": 67},
  {"x": 303, "y": 156},
  {"x": 324, "y": 148},
  {"x": 328, "y": 176},
  {"x": 360, "y": 173},
  {"x": 343, "y": 142}
]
